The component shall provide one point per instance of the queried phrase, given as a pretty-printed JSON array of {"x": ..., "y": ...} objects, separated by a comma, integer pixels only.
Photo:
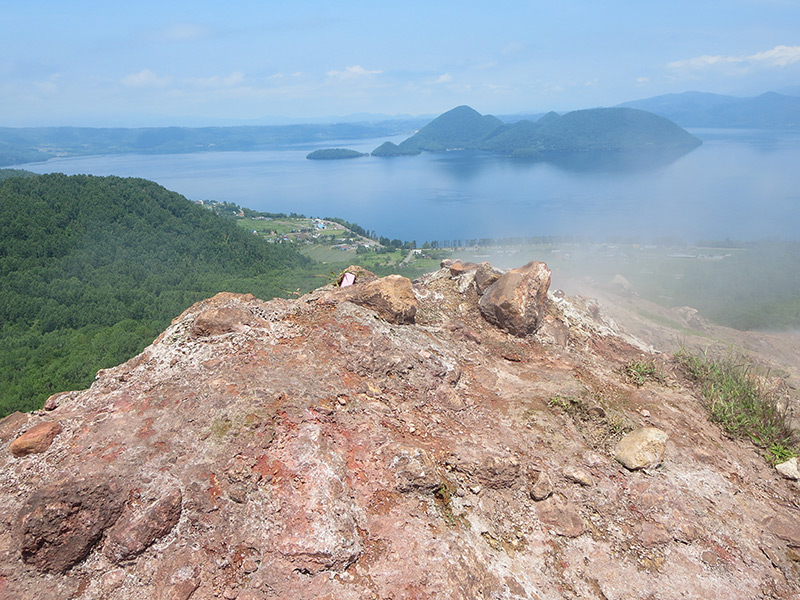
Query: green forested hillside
[
  {"x": 461, "y": 127},
  {"x": 93, "y": 268}
]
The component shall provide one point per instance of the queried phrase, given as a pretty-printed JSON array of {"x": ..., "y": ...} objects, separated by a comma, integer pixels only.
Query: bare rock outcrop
[
  {"x": 333, "y": 446},
  {"x": 516, "y": 302},
  {"x": 142, "y": 525},
  {"x": 60, "y": 523},
  {"x": 391, "y": 297}
]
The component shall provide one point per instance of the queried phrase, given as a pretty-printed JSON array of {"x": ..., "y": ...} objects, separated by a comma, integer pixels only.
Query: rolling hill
[
  {"x": 92, "y": 268},
  {"x": 696, "y": 109}
]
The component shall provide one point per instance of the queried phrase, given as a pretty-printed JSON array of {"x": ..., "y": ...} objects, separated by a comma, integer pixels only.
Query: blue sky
[{"x": 196, "y": 63}]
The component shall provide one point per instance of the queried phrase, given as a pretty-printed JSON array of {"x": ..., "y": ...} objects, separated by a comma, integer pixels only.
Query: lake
[{"x": 740, "y": 184}]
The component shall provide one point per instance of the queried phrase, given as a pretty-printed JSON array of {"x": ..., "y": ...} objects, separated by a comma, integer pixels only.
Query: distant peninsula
[
  {"x": 598, "y": 129},
  {"x": 334, "y": 154},
  {"x": 696, "y": 109}
]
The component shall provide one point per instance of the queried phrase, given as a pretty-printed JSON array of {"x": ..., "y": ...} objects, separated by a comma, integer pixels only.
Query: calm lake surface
[{"x": 740, "y": 184}]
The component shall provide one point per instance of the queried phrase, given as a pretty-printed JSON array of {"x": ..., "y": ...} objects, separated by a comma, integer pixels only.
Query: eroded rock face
[
  {"x": 140, "y": 526},
  {"x": 319, "y": 530},
  {"x": 516, "y": 302},
  {"x": 60, "y": 523},
  {"x": 306, "y": 449}
]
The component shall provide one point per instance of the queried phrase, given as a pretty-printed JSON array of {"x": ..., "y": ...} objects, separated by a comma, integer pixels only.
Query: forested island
[
  {"x": 334, "y": 154},
  {"x": 593, "y": 130}
]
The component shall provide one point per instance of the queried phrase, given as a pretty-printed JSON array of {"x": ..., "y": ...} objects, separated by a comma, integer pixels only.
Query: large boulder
[
  {"x": 60, "y": 523},
  {"x": 391, "y": 297},
  {"x": 516, "y": 302}
]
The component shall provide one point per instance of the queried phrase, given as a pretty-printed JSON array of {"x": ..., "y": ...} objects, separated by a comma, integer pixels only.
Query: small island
[{"x": 334, "y": 154}]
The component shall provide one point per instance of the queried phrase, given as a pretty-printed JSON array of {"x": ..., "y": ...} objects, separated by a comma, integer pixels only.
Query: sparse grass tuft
[
  {"x": 601, "y": 429},
  {"x": 740, "y": 405},
  {"x": 639, "y": 373}
]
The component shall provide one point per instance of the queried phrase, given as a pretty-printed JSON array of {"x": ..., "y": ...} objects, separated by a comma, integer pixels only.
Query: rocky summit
[{"x": 468, "y": 435}]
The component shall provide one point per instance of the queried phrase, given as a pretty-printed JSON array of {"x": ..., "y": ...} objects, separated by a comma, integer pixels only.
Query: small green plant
[
  {"x": 566, "y": 403},
  {"x": 443, "y": 496},
  {"x": 640, "y": 373},
  {"x": 778, "y": 453},
  {"x": 740, "y": 405}
]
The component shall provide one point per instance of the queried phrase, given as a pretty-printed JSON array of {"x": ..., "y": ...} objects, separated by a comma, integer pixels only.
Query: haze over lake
[{"x": 740, "y": 184}]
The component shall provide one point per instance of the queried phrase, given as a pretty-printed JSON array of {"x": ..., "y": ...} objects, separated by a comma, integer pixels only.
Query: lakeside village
[{"x": 339, "y": 235}]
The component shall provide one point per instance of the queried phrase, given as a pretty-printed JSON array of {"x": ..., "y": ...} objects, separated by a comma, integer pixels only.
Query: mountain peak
[{"x": 351, "y": 442}]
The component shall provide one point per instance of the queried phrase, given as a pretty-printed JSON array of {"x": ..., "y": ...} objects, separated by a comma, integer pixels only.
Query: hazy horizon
[{"x": 97, "y": 64}]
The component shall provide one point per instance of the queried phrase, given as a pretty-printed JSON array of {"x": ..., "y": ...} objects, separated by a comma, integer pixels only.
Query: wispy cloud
[
  {"x": 777, "y": 57},
  {"x": 354, "y": 72},
  {"x": 215, "y": 81},
  {"x": 444, "y": 78},
  {"x": 146, "y": 78}
]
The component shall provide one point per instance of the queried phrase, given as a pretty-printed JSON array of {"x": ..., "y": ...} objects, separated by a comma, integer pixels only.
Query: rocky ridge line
[{"x": 464, "y": 436}]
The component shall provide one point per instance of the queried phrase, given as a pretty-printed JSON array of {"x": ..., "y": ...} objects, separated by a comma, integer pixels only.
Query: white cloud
[
  {"x": 642, "y": 80},
  {"x": 353, "y": 72},
  {"x": 444, "y": 78},
  {"x": 146, "y": 78},
  {"x": 779, "y": 56}
]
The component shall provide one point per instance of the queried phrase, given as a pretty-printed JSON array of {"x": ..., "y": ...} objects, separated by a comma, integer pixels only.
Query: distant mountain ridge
[
  {"x": 33, "y": 144},
  {"x": 698, "y": 109},
  {"x": 597, "y": 129}
]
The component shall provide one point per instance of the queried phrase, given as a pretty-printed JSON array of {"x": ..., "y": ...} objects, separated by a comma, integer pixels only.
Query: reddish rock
[
  {"x": 362, "y": 275},
  {"x": 459, "y": 268},
  {"x": 392, "y": 297},
  {"x": 60, "y": 523},
  {"x": 485, "y": 276},
  {"x": 489, "y": 467},
  {"x": 653, "y": 534},
  {"x": 308, "y": 441},
  {"x": 540, "y": 487},
  {"x": 561, "y": 515},
  {"x": 36, "y": 440},
  {"x": 414, "y": 470},
  {"x": 11, "y": 424},
  {"x": 517, "y": 301},
  {"x": 222, "y": 320},
  {"x": 786, "y": 527},
  {"x": 137, "y": 529},
  {"x": 182, "y": 590}
]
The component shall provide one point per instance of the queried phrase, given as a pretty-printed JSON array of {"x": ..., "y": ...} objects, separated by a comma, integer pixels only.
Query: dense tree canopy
[{"x": 93, "y": 268}]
